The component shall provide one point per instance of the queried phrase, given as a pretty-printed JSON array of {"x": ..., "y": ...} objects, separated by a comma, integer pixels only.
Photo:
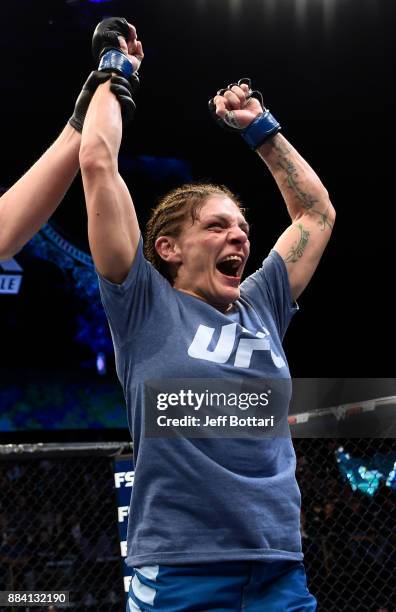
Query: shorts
[{"x": 270, "y": 586}]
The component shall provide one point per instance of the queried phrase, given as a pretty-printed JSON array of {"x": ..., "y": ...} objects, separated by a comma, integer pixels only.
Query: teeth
[{"x": 232, "y": 258}]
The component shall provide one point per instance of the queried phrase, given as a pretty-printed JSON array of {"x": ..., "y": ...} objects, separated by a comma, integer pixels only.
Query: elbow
[
  {"x": 330, "y": 211},
  {"x": 328, "y": 215},
  {"x": 325, "y": 208}
]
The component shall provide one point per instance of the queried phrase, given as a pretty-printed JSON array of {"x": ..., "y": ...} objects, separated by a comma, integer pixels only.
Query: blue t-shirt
[{"x": 220, "y": 499}]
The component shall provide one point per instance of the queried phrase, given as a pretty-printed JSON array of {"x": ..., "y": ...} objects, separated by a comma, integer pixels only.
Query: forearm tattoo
[
  {"x": 292, "y": 180},
  {"x": 298, "y": 248}
]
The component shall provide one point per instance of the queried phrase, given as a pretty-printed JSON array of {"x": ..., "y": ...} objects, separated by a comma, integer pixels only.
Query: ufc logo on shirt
[{"x": 225, "y": 345}]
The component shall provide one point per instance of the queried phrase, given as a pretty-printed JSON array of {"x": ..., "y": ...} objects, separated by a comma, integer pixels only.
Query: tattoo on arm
[
  {"x": 307, "y": 200},
  {"x": 298, "y": 248},
  {"x": 230, "y": 120},
  {"x": 323, "y": 220}
]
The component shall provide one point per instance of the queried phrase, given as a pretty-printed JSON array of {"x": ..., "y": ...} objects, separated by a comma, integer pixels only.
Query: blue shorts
[{"x": 271, "y": 586}]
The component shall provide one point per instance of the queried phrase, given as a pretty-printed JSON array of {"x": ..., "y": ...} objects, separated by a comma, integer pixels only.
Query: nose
[{"x": 236, "y": 235}]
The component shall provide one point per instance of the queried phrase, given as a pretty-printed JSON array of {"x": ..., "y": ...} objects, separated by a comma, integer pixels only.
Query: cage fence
[
  {"x": 59, "y": 522},
  {"x": 348, "y": 490}
]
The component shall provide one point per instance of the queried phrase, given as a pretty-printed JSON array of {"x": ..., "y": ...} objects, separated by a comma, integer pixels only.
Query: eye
[{"x": 217, "y": 227}]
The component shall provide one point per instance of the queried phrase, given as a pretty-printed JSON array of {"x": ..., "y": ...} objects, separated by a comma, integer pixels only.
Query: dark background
[{"x": 326, "y": 71}]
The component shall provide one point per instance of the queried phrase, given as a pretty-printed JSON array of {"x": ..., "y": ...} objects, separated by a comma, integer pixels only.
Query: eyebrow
[{"x": 218, "y": 216}]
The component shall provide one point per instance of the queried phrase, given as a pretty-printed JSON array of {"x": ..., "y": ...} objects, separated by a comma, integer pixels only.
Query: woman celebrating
[{"x": 214, "y": 523}]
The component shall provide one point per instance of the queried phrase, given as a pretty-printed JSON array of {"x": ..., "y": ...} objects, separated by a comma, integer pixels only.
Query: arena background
[{"x": 325, "y": 68}]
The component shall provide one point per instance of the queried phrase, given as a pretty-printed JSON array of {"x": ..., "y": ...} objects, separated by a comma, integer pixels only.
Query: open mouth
[{"x": 230, "y": 266}]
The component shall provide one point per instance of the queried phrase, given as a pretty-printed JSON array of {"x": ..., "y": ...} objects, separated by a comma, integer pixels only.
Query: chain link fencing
[
  {"x": 59, "y": 523},
  {"x": 59, "y": 526},
  {"x": 348, "y": 519}
]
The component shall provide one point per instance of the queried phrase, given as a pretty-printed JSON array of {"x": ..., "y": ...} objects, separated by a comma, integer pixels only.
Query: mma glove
[
  {"x": 105, "y": 36},
  {"x": 125, "y": 84},
  {"x": 263, "y": 127}
]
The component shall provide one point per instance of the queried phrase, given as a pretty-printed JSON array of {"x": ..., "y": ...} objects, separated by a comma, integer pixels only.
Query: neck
[{"x": 224, "y": 308}]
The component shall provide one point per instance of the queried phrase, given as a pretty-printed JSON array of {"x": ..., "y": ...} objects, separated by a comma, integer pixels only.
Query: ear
[{"x": 167, "y": 249}]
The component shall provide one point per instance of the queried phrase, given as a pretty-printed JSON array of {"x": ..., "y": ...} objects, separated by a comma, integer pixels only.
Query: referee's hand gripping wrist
[
  {"x": 90, "y": 86},
  {"x": 119, "y": 54}
]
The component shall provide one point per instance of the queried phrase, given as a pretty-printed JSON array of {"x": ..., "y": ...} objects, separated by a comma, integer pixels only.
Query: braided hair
[{"x": 172, "y": 211}]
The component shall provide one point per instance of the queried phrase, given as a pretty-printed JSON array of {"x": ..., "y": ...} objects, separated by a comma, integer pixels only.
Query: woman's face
[{"x": 212, "y": 253}]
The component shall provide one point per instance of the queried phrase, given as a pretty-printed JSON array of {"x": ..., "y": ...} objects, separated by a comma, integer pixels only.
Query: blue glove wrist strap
[
  {"x": 262, "y": 128},
  {"x": 116, "y": 61}
]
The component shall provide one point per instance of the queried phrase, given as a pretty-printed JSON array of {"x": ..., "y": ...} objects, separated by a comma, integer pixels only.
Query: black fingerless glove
[
  {"x": 106, "y": 49},
  {"x": 125, "y": 85},
  {"x": 263, "y": 127},
  {"x": 106, "y": 36}
]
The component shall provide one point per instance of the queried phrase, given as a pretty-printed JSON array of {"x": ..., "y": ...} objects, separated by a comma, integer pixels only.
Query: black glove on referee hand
[
  {"x": 123, "y": 86},
  {"x": 123, "y": 89},
  {"x": 95, "y": 79}
]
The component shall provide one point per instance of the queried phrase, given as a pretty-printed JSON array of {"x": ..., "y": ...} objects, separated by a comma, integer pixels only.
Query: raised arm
[
  {"x": 34, "y": 197},
  {"x": 29, "y": 203},
  {"x": 113, "y": 229},
  {"x": 312, "y": 214},
  {"x": 302, "y": 244}
]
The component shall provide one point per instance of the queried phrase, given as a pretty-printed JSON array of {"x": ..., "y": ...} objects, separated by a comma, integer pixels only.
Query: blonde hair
[{"x": 172, "y": 211}]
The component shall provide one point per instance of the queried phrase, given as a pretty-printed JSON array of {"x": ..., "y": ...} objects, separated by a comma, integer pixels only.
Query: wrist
[
  {"x": 115, "y": 61},
  {"x": 262, "y": 128}
]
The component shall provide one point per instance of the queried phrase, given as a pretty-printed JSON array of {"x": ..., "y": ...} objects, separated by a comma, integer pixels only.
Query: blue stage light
[
  {"x": 101, "y": 363},
  {"x": 367, "y": 478}
]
